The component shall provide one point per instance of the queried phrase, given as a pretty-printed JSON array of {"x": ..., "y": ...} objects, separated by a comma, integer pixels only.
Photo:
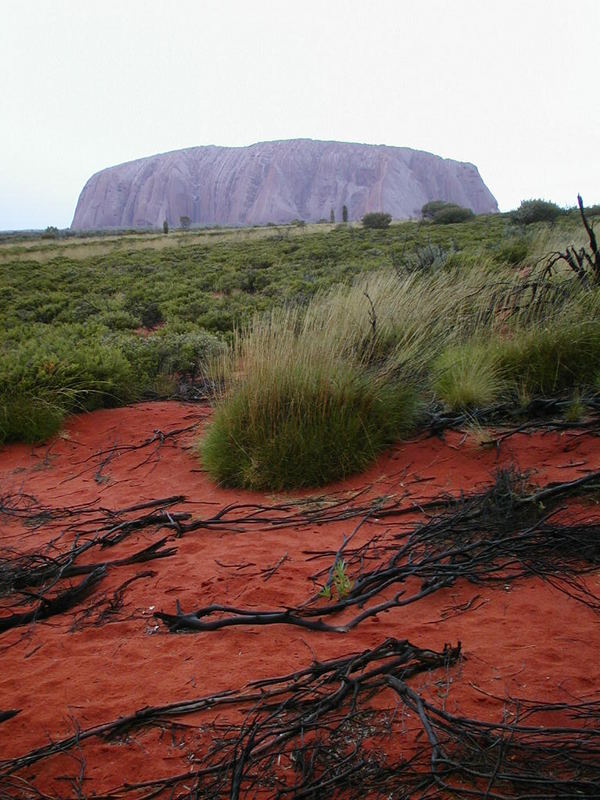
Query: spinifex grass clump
[
  {"x": 303, "y": 430},
  {"x": 467, "y": 376},
  {"x": 541, "y": 337},
  {"x": 302, "y": 407},
  {"x": 29, "y": 418},
  {"x": 554, "y": 358}
]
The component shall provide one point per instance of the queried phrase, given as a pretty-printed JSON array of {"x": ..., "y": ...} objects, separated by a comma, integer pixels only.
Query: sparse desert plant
[
  {"x": 576, "y": 410},
  {"x": 481, "y": 436},
  {"x": 340, "y": 580}
]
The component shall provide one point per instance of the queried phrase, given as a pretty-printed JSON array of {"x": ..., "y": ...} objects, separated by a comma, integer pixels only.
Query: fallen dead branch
[
  {"x": 106, "y": 609},
  {"x": 494, "y": 537},
  {"x": 322, "y": 731},
  {"x": 36, "y": 569},
  {"x": 281, "y": 715},
  {"x": 523, "y": 758},
  {"x": 540, "y": 414},
  {"x": 5, "y": 715},
  {"x": 49, "y": 607}
]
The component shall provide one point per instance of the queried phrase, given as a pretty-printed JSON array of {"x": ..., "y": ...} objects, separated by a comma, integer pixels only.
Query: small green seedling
[{"x": 341, "y": 582}]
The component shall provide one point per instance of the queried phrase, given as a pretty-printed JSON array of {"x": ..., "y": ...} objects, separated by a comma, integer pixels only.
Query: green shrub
[
  {"x": 168, "y": 353},
  {"x": 121, "y": 321},
  {"x": 152, "y": 316},
  {"x": 430, "y": 209},
  {"x": 101, "y": 376},
  {"x": 531, "y": 211},
  {"x": 376, "y": 219},
  {"x": 452, "y": 214},
  {"x": 443, "y": 213},
  {"x": 47, "y": 377}
]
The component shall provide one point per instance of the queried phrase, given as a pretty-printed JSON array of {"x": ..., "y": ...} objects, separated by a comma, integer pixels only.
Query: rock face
[{"x": 275, "y": 182}]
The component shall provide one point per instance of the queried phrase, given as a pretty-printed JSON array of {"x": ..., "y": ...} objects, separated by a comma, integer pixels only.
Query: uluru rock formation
[{"x": 276, "y": 182}]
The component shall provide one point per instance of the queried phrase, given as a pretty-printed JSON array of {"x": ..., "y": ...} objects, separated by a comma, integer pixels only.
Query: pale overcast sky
[{"x": 510, "y": 85}]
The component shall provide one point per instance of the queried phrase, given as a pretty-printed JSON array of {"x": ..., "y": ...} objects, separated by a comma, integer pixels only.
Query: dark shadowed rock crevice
[{"x": 276, "y": 182}]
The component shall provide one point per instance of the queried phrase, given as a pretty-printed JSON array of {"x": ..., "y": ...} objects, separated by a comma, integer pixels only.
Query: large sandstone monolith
[{"x": 276, "y": 182}]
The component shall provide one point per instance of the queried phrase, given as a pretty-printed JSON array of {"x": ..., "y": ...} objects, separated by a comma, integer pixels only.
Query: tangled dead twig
[
  {"x": 312, "y": 718},
  {"x": 438, "y": 553},
  {"x": 525, "y": 758},
  {"x": 585, "y": 264},
  {"x": 494, "y": 537},
  {"x": 319, "y": 731}
]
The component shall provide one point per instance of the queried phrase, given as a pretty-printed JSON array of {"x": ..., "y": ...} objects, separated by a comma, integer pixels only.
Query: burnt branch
[
  {"x": 593, "y": 259},
  {"x": 525, "y": 758},
  {"x": 496, "y": 537},
  {"x": 49, "y": 607}
]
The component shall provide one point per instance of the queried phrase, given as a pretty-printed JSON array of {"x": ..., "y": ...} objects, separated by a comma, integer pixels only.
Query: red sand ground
[{"x": 66, "y": 673}]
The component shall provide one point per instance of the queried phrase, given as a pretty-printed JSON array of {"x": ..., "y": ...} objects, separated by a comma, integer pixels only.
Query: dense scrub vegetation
[{"x": 324, "y": 344}]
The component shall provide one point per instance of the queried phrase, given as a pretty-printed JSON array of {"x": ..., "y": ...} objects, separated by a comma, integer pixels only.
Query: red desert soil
[{"x": 109, "y": 656}]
